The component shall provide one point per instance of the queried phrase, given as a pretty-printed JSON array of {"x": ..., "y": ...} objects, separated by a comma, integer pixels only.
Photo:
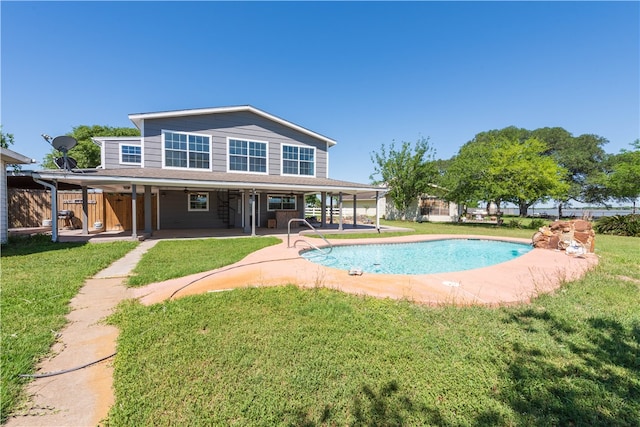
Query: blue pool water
[{"x": 436, "y": 256}]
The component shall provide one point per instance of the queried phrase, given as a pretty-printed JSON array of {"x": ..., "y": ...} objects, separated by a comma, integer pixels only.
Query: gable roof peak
[{"x": 138, "y": 118}]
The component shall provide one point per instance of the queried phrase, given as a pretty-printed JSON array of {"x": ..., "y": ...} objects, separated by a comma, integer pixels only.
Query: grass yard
[
  {"x": 39, "y": 278},
  {"x": 178, "y": 258},
  {"x": 285, "y": 356}
]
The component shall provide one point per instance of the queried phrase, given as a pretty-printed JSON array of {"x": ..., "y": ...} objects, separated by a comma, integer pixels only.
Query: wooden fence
[{"x": 32, "y": 208}]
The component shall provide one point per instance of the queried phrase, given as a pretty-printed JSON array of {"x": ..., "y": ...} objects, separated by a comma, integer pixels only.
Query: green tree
[
  {"x": 407, "y": 171},
  {"x": 623, "y": 181},
  {"x": 466, "y": 175},
  {"x": 312, "y": 200},
  {"x": 584, "y": 159},
  {"x": 6, "y": 139},
  {"x": 503, "y": 165},
  {"x": 523, "y": 176},
  {"x": 86, "y": 153},
  {"x": 469, "y": 177}
]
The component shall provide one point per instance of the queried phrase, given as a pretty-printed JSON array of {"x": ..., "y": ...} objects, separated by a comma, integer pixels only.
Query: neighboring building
[
  {"x": 7, "y": 157},
  {"x": 366, "y": 204},
  {"x": 203, "y": 168},
  {"x": 425, "y": 209}
]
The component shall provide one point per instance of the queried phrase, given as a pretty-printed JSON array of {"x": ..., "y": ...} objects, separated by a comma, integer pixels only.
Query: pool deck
[{"x": 515, "y": 281}]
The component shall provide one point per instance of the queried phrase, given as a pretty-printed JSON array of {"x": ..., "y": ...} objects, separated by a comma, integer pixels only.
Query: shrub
[
  {"x": 514, "y": 223},
  {"x": 537, "y": 223},
  {"x": 619, "y": 225}
]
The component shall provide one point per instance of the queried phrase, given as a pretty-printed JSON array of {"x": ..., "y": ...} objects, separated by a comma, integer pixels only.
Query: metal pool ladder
[{"x": 304, "y": 221}]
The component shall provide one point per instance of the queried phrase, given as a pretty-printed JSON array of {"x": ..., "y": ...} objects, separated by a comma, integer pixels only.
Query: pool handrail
[{"x": 304, "y": 221}]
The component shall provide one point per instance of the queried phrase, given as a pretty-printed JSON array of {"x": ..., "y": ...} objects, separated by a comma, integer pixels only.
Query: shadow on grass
[
  {"x": 589, "y": 374},
  {"x": 18, "y": 246},
  {"x": 386, "y": 406}
]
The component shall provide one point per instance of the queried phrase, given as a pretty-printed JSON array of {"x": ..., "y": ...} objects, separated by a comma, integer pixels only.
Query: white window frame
[
  {"x": 266, "y": 143},
  {"x": 197, "y": 193},
  {"x": 315, "y": 160},
  {"x": 126, "y": 144},
  {"x": 281, "y": 208},
  {"x": 164, "y": 158}
]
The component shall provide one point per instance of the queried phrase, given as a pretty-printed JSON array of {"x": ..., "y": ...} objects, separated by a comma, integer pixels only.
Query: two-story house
[{"x": 226, "y": 167}]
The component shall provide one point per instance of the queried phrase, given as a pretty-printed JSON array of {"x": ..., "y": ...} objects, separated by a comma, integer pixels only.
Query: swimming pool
[{"x": 427, "y": 257}]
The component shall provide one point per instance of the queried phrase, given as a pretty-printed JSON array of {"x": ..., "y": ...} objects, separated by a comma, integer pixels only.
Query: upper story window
[
  {"x": 298, "y": 160},
  {"x": 186, "y": 150},
  {"x": 247, "y": 156},
  {"x": 130, "y": 154}
]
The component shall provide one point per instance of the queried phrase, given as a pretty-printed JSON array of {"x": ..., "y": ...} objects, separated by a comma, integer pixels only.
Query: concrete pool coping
[{"x": 519, "y": 280}]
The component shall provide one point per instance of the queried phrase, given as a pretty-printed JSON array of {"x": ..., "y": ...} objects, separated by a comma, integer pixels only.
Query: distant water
[{"x": 575, "y": 213}]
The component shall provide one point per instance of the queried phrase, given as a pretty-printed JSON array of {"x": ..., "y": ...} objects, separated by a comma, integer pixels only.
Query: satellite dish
[
  {"x": 64, "y": 143},
  {"x": 71, "y": 163}
]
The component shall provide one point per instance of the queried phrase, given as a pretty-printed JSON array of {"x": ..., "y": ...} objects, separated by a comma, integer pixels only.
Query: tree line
[{"x": 513, "y": 165}]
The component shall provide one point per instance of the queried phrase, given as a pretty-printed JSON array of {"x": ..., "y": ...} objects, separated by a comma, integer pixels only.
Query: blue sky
[{"x": 362, "y": 73}]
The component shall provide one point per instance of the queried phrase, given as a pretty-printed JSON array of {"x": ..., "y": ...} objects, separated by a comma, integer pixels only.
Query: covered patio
[{"x": 198, "y": 203}]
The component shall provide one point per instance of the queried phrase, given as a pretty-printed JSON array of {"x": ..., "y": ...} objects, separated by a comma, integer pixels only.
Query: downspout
[{"x": 54, "y": 208}]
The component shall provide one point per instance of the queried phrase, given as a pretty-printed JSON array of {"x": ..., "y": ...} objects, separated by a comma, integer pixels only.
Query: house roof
[
  {"x": 115, "y": 179},
  {"x": 13, "y": 158},
  {"x": 138, "y": 118}
]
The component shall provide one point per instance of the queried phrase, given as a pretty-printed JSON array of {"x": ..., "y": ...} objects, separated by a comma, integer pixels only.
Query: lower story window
[
  {"x": 198, "y": 202},
  {"x": 278, "y": 202}
]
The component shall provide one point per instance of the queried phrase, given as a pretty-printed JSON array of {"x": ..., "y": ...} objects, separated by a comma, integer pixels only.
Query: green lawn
[
  {"x": 285, "y": 356},
  {"x": 39, "y": 278},
  {"x": 178, "y": 258}
]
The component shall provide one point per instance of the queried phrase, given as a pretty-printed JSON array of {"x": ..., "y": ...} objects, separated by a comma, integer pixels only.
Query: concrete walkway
[{"x": 82, "y": 397}]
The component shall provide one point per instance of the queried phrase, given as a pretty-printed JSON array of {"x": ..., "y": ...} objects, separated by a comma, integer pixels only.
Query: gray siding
[
  {"x": 241, "y": 125},
  {"x": 112, "y": 152},
  {"x": 174, "y": 212}
]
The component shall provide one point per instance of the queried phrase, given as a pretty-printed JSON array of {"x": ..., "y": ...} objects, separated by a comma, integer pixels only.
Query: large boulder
[{"x": 576, "y": 236}]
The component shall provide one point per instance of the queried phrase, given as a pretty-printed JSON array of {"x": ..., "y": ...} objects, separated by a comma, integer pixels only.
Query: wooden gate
[{"x": 117, "y": 212}]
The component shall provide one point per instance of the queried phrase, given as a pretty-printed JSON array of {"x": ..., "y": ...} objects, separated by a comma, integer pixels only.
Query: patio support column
[
  {"x": 246, "y": 211},
  {"x": 331, "y": 209},
  {"x": 377, "y": 211},
  {"x": 355, "y": 212},
  {"x": 340, "y": 211},
  {"x": 148, "y": 227},
  {"x": 323, "y": 207},
  {"x": 134, "y": 211},
  {"x": 85, "y": 211},
  {"x": 253, "y": 212}
]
